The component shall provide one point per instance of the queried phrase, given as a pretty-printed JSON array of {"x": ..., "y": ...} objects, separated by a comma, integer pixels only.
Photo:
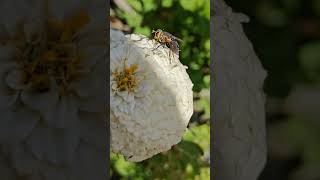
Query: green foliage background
[{"x": 188, "y": 20}]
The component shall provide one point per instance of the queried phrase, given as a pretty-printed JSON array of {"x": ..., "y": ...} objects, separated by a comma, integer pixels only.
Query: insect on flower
[{"x": 168, "y": 39}]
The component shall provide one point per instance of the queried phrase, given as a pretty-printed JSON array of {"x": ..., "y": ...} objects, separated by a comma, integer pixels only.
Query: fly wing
[
  {"x": 178, "y": 39},
  {"x": 174, "y": 47},
  {"x": 172, "y": 36}
]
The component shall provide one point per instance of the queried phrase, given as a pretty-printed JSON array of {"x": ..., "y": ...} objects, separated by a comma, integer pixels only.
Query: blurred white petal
[
  {"x": 14, "y": 80},
  {"x": 57, "y": 147},
  {"x": 17, "y": 125},
  {"x": 40, "y": 101},
  {"x": 93, "y": 129},
  {"x": 63, "y": 114},
  {"x": 23, "y": 160},
  {"x": 5, "y": 170},
  {"x": 93, "y": 104},
  {"x": 90, "y": 162},
  {"x": 239, "y": 137}
]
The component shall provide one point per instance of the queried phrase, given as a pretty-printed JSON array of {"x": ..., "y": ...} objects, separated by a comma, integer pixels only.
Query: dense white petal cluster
[
  {"x": 151, "y": 97},
  {"x": 51, "y": 55}
]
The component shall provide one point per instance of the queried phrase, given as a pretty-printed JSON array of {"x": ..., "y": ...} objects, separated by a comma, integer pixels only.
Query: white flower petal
[
  {"x": 115, "y": 100},
  {"x": 5, "y": 170},
  {"x": 64, "y": 114},
  {"x": 11, "y": 13},
  {"x": 23, "y": 161},
  {"x": 53, "y": 173},
  {"x": 86, "y": 86},
  {"x": 40, "y": 101},
  {"x": 55, "y": 146},
  {"x": 6, "y": 56},
  {"x": 3, "y": 32},
  {"x": 91, "y": 163},
  {"x": 92, "y": 56},
  {"x": 17, "y": 125},
  {"x": 93, "y": 104},
  {"x": 7, "y": 96},
  {"x": 93, "y": 129},
  {"x": 14, "y": 80}
]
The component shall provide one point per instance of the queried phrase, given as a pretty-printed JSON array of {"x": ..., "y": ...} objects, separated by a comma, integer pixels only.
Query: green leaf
[
  {"x": 311, "y": 153},
  {"x": 167, "y": 3},
  {"x": 203, "y": 104},
  {"x": 310, "y": 59},
  {"x": 142, "y": 30},
  {"x": 124, "y": 168},
  {"x": 206, "y": 10},
  {"x": 270, "y": 15},
  {"x": 149, "y": 5},
  {"x": 194, "y": 66},
  {"x": 316, "y": 7},
  {"x": 206, "y": 80},
  {"x": 199, "y": 135},
  {"x": 135, "y": 4},
  {"x": 192, "y": 5},
  {"x": 133, "y": 20},
  {"x": 207, "y": 45},
  {"x": 292, "y": 5}
]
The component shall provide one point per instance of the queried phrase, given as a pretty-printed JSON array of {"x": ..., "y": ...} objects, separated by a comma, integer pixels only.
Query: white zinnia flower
[
  {"x": 151, "y": 97},
  {"x": 51, "y": 88}
]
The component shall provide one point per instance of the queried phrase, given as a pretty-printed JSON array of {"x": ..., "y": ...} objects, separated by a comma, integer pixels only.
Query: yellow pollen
[{"x": 126, "y": 79}]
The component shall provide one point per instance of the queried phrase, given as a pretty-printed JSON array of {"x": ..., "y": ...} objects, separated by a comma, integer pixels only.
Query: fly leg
[
  {"x": 157, "y": 47},
  {"x": 170, "y": 55}
]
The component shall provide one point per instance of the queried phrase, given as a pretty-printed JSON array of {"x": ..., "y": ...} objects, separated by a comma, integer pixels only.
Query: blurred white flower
[
  {"x": 150, "y": 97},
  {"x": 239, "y": 132},
  {"x": 51, "y": 79}
]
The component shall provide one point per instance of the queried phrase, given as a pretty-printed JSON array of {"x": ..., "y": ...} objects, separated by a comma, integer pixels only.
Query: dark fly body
[{"x": 168, "y": 39}]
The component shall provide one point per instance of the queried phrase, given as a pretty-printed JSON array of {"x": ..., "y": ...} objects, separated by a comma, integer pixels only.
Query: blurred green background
[
  {"x": 188, "y": 20},
  {"x": 286, "y": 37}
]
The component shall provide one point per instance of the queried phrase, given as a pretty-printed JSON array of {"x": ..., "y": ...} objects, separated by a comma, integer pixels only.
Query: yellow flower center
[
  {"x": 126, "y": 79},
  {"x": 50, "y": 54}
]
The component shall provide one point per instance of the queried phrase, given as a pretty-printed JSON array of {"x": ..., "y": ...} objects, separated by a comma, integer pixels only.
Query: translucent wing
[
  {"x": 172, "y": 36},
  {"x": 174, "y": 47},
  {"x": 178, "y": 39}
]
